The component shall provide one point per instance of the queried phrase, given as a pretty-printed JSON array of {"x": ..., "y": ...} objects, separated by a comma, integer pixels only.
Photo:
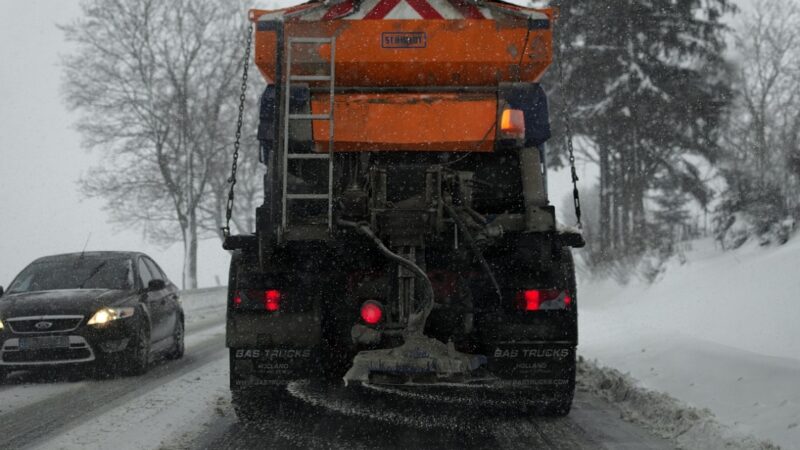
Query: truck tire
[
  {"x": 245, "y": 406},
  {"x": 562, "y": 403},
  {"x": 558, "y": 408},
  {"x": 254, "y": 404}
]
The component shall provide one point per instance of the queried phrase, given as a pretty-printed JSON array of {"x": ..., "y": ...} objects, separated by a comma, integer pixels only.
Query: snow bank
[
  {"x": 718, "y": 333},
  {"x": 688, "y": 427},
  {"x": 201, "y": 305}
]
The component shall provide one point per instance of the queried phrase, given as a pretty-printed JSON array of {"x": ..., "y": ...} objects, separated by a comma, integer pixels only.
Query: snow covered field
[{"x": 719, "y": 332}]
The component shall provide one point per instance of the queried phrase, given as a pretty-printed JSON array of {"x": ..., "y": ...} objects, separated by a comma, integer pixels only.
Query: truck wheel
[
  {"x": 561, "y": 405},
  {"x": 255, "y": 405},
  {"x": 558, "y": 408},
  {"x": 245, "y": 406}
]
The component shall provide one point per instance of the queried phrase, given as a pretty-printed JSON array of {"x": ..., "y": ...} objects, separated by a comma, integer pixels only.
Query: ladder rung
[
  {"x": 310, "y": 78},
  {"x": 307, "y": 196},
  {"x": 309, "y": 40},
  {"x": 310, "y": 116},
  {"x": 308, "y": 156}
]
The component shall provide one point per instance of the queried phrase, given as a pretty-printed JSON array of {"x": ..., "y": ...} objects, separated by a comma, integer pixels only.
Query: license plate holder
[{"x": 43, "y": 342}]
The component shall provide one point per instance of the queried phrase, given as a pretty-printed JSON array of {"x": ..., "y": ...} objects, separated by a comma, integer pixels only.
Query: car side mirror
[
  {"x": 1, "y": 291},
  {"x": 156, "y": 285}
]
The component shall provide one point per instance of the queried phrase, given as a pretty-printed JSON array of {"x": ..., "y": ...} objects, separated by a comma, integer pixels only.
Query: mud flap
[
  {"x": 546, "y": 366},
  {"x": 271, "y": 366}
]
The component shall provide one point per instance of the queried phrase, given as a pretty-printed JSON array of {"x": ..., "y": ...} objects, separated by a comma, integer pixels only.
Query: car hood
[{"x": 61, "y": 302}]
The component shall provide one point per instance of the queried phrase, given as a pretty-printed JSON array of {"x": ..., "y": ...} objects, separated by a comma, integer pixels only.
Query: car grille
[
  {"x": 58, "y": 323},
  {"x": 53, "y": 354}
]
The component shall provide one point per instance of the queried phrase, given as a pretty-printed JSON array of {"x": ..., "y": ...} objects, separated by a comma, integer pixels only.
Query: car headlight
[
  {"x": 1, "y": 325},
  {"x": 106, "y": 315}
]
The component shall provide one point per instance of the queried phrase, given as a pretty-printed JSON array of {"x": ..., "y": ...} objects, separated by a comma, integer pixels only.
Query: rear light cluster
[
  {"x": 542, "y": 299},
  {"x": 269, "y": 300}
]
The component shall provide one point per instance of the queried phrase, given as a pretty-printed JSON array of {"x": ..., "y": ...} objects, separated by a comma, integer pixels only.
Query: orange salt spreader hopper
[{"x": 410, "y": 75}]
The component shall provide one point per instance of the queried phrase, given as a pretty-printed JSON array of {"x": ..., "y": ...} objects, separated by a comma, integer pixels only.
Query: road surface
[{"x": 185, "y": 404}]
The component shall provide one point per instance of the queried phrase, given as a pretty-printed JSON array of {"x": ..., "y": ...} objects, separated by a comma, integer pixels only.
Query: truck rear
[{"x": 406, "y": 235}]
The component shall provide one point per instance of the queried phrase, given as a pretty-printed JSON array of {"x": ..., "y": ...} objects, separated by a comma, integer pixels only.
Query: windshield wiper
[{"x": 92, "y": 274}]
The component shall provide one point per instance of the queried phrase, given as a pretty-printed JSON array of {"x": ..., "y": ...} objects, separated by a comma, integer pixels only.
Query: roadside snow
[
  {"x": 688, "y": 427},
  {"x": 718, "y": 332},
  {"x": 171, "y": 416},
  {"x": 202, "y": 304}
]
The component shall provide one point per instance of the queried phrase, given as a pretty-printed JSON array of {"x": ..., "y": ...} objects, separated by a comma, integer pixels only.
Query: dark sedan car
[{"x": 112, "y": 310}]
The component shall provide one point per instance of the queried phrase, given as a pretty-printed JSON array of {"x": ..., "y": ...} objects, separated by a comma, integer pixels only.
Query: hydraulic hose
[
  {"x": 416, "y": 321},
  {"x": 474, "y": 247}
]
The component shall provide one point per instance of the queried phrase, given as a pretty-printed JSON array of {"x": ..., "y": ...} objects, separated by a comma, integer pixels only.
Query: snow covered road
[
  {"x": 390, "y": 419},
  {"x": 186, "y": 404}
]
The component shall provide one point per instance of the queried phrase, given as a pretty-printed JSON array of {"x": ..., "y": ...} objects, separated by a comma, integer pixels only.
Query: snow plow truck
[{"x": 406, "y": 236}]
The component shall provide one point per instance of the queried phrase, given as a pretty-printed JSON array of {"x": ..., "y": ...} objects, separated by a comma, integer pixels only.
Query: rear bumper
[
  {"x": 533, "y": 352},
  {"x": 559, "y": 325},
  {"x": 259, "y": 330}
]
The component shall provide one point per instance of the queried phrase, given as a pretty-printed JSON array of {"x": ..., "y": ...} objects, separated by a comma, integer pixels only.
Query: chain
[
  {"x": 568, "y": 133},
  {"x": 226, "y": 230}
]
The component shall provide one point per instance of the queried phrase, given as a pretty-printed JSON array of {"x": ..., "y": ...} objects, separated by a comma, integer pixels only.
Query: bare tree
[
  {"x": 156, "y": 83},
  {"x": 762, "y": 158},
  {"x": 764, "y": 125}
]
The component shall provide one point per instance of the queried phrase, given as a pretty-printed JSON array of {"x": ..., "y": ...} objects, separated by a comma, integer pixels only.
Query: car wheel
[
  {"x": 138, "y": 358},
  {"x": 178, "y": 335}
]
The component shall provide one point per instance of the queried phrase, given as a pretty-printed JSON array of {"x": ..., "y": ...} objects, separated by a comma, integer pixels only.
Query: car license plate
[{"x": 43, "y": 342}]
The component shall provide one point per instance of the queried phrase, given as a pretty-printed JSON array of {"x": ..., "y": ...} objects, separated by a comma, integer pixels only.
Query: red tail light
[
  {"x": 253, "y": 299},
  {"x": 535, "y": 299},
  {"x": 371, "y": 312},
  {"x": 272, "y": 300}
]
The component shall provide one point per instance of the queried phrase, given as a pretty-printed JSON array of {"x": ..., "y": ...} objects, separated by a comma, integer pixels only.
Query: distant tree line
[
  {"x": 672, "y": 116},
  {"x": 761, "y": 138}
]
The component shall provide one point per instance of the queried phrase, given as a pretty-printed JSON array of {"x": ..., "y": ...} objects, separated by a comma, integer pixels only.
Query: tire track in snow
[
  {"x": 315, "y": 415},
  {"x": 33, "y": 423}
]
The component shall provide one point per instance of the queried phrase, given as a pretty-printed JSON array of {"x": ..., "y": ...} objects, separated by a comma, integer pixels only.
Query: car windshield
[{"x": 75, "y": 273}]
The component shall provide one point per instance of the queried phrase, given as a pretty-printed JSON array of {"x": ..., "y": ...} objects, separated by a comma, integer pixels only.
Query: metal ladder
[{"x": 288, "y": 118}]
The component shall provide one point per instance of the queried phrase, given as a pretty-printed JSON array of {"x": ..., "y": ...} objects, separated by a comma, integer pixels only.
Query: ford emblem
[{"x": 43, "y": 325}]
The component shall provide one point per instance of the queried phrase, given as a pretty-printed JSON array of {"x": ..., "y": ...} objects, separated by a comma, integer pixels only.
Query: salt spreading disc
[{"x": 418, "y": 357}]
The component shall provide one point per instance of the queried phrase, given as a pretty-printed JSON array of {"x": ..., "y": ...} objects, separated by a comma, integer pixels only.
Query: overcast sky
[{"x": 41, "y": 210}]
